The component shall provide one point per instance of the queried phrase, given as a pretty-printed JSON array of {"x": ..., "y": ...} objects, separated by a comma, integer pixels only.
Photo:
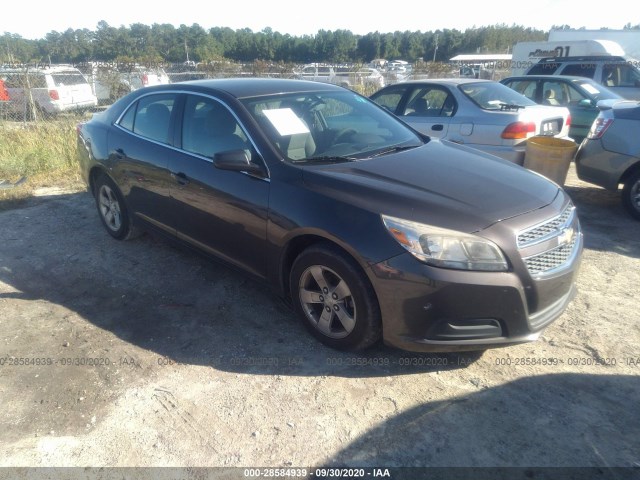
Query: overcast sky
[{"x": 299, "y": 17}]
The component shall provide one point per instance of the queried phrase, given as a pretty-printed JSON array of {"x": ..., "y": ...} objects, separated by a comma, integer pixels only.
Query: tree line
[{"x": 166, "y": 43}]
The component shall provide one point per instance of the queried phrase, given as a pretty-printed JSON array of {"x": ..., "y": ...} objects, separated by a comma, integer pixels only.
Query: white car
[
  {"x": 54, "y": 89},
  {"x": 482, "y": 114},
  {"x": 112, "y": 81}
]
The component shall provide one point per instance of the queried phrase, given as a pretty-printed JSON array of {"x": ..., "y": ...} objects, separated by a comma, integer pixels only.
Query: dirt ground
[{"x": 141, "y": 354}]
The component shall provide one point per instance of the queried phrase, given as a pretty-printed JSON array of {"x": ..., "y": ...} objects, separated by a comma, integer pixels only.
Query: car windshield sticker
[
  {"x": 286, "y": 122},
  {"x": 591, "y": 89}
]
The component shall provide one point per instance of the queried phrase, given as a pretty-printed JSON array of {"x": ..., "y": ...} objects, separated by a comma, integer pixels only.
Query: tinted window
[
  {"x": 152, "y": 117},
  {"x": 209, "y": 128},
  {"x": 580, "y": 69},
  {"x": 543, "y": 69}
]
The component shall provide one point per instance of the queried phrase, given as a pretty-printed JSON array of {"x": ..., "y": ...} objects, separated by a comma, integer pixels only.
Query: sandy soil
[{"x": 140, "y": 354}]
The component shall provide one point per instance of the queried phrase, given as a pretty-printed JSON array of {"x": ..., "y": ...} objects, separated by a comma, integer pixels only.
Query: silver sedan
[{"x": 482, "y": 114}]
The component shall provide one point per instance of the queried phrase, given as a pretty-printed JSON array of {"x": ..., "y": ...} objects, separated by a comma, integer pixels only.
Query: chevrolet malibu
[{"x": 370, "y": 229}]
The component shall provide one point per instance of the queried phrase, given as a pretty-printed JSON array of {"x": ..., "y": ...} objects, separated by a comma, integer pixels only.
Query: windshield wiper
[
  {"x": 510, "y": 106},
  {"x": 393, "y": 150},
  {"x": 330, "y": 158}
]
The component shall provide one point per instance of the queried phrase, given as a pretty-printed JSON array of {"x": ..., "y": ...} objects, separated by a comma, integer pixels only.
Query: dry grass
[{"x": 44, "y": 153}]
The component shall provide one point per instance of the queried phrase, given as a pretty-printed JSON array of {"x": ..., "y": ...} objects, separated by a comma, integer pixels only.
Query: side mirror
[
  {"x": 586, "y": 103},
  {"x": 236, "y": 161}
]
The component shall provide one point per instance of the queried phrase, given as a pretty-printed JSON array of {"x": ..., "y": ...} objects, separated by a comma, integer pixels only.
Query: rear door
[
  {"x": 140, "y": 148},
  {"x": 430, "y": 109}
]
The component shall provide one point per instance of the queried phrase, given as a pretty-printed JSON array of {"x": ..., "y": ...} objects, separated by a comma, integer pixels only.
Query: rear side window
[
  {"x": 580, "y": 70},
  {"x": 430, "y": 102},
  {"x": 150, "y": 117},
  {"x": 390, "y": 98},
  {"x": 524, "y": 87},
  {"x": 543, "y": 69}
]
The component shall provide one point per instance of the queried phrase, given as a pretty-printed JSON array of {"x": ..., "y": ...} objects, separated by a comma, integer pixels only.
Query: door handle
[
  {"x": 181, "y": 178},
  {"x": 120, "y": 154},
  {"x": 437, "y": 128}
]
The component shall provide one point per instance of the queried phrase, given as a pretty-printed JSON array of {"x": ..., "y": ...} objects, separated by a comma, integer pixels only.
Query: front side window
[
  {"x": 620, "y": 75},
  {"x": 208, "y": 127}
]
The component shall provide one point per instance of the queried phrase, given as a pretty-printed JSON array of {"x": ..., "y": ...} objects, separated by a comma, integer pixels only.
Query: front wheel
[
  {"x": 112, "y": 209},
  {"x": 335, "y": 299},
  {"x": 631, "y": 195}
]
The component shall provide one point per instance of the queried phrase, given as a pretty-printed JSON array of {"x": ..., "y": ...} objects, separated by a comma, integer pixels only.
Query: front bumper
[{"x": 430, "y": 309}]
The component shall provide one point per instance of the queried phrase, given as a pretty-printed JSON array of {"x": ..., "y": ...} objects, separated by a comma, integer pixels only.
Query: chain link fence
[{"x": 43, "y": 93}]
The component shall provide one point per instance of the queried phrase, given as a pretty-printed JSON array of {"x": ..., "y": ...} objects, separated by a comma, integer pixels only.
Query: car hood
[{"x": 440, "y": 183}]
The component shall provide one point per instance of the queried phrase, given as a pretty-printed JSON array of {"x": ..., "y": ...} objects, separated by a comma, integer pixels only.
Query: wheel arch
[
  {"x": 629, "y": 172},
  {"x": 296, "y": 245}
]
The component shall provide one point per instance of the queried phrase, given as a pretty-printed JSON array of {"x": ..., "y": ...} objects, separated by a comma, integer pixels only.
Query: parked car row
[{"x": 482, "y": 114}]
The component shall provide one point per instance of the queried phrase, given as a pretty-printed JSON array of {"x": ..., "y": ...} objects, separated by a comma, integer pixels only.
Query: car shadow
[
  {"x": 548, "y": 426},
  {"x": 605, "y": 223},
  {"x": 171, "y": 302}
]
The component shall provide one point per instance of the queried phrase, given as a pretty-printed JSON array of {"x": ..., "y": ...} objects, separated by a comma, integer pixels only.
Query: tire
[
  {"x": 631, "y": 195},
  {"x": 113, "y": 210},
  {"x": 335, "y": 299}
]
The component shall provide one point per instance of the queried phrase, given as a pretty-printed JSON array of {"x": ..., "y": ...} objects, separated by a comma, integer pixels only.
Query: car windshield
[
  {"x": 597, "y": 92},
  {"x": 329, "y": 126},
  {"x": 494, "y": 96}
]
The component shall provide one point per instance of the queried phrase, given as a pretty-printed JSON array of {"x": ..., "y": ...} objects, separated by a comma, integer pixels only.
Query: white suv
[
  {"x": 110, "y": 81},
  {"x": 53, "y": 89},
  {"x": 619, "y": 75}
]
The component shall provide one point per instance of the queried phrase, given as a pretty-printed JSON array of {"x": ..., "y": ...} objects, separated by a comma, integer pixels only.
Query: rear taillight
[
  {"x": 598, "y": 127},
  {"x": 145, "y": 79},
  {"x": 54, "y": 95},
  {"x": 568, "y": 123},
  {"x": 518, "y": 130}
]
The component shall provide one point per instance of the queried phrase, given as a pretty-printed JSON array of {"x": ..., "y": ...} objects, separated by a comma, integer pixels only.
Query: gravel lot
[{"x": 143, "y": 354}]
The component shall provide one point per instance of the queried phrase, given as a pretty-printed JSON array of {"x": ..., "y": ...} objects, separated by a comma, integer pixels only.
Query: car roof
[
  {"x": 566, "y": 78},
  {"x": 251, "y": 87},
  {"x": 445, "y": 81}
]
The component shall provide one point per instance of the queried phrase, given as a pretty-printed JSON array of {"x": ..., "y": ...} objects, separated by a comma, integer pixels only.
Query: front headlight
[{"x": 446, "y": 248}]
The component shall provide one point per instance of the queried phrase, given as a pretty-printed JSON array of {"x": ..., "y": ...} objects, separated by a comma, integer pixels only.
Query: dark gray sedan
[{"x": 370, "y": 229}]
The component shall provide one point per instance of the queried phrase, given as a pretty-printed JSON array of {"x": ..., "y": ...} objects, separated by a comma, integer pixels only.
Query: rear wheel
[
  {"x": 112, "y": 209},
  {"x": 631, "y": 195},
  {"x": 335, "y": 299}
]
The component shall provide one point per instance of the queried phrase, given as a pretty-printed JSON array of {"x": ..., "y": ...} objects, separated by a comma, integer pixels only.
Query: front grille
[
  {"x": 545, "y": 230},
  {"x": 551, "y": 259}
]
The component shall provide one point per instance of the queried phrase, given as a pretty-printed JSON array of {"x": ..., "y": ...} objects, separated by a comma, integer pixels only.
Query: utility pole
[{"x": 435, "y": 50}]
